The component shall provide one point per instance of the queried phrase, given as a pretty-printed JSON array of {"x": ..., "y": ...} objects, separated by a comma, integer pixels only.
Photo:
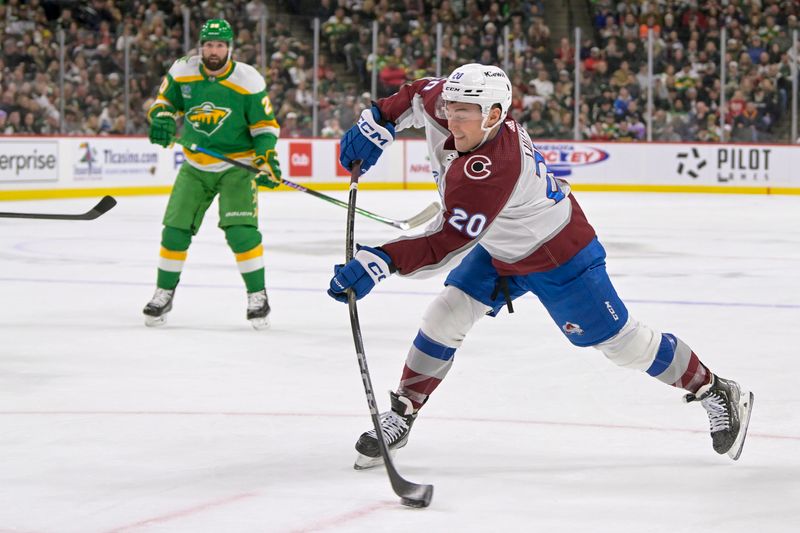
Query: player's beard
[{"x": 214, "y": 63}]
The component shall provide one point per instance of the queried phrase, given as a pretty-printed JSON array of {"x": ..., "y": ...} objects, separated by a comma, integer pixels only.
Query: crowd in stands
[{"x": 686, "y": 85}]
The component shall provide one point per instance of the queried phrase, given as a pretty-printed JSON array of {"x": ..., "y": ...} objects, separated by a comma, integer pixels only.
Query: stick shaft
[{"x": 400, "y": 224}]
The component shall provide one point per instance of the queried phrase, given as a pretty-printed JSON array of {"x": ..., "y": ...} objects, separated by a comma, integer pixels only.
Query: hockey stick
[
  {"x": 411, "y": 494},
  {"x": 418, "y": 219},
  {"x": 105, "y": 204}
]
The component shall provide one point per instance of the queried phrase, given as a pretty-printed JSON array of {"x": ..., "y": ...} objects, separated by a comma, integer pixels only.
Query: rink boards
[{"x": 53, "y": 167}]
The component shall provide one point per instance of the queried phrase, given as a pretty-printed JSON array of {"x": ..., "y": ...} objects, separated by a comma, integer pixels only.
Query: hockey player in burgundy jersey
[{"x": 508, "y": 227}]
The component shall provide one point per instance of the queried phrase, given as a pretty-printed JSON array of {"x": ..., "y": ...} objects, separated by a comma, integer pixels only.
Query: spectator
[
  {"x": 544, "y": 87},
  {"x": 332, "y": 129},
  {"x": 392, "y": 76}
]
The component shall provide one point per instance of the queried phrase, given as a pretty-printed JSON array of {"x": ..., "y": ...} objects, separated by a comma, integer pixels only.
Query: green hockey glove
[
  {"x": 270, "y": 175},
  {"x": 163, "y": 128}
]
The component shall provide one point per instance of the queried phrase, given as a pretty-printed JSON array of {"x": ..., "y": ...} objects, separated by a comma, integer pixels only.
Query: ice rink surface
[{"x": 206, "y": 425}]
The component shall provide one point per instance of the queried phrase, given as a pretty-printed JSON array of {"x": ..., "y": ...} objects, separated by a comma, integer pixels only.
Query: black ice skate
[
  {"x": 728, "y": 408},
  {"x": 258, "y": 309},
  {"x": 157, "y": 308},
  {"x": 396, "y": 426}
]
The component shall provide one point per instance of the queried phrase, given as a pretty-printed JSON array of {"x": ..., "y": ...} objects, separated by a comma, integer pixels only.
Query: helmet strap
[{"x": 486, "y": 130}]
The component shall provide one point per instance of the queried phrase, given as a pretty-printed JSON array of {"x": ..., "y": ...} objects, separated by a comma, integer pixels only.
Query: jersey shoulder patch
[
  {"x": 186, "y": 69},
  {"x": 246, "y": 80}
]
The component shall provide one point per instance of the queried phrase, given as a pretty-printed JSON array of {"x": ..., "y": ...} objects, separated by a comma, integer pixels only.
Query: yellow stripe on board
[
  {"x": 46, "y": 194},
  {"x": 258, "y": 251}
]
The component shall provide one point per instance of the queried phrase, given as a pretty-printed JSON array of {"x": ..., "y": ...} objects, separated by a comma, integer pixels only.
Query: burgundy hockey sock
[
  {"x": 426, "y": 365},
  {"x": 677, "y": 365},
  {"x": 696, "y": 375}
]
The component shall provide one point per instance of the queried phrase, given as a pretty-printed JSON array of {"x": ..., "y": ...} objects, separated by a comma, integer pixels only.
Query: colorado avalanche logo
[
  {"x": 477, "y": 167},
  {"x": 572, "y": 329}
]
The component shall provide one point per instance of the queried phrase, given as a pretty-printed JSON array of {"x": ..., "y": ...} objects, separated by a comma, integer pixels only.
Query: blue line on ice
[{"x": 388, "y": 292}]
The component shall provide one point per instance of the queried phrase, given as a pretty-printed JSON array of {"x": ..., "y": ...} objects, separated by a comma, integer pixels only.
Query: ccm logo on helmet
[{"x": 477, "y": 167}]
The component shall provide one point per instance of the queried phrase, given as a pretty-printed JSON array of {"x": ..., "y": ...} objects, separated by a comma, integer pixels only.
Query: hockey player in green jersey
[{"x": 225, "y": 107}]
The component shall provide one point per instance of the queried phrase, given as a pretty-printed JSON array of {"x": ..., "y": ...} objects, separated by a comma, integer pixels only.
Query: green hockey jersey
[{"x": 230, "y": 113}]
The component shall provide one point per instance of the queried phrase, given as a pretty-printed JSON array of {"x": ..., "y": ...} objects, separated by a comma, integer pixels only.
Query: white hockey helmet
[{"x": 485, "y": 85}]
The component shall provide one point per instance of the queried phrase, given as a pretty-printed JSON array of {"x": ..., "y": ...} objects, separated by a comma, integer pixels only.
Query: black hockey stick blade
[
  {"x": 411, "y": 494},
  {"x": 103, "y": 206}
]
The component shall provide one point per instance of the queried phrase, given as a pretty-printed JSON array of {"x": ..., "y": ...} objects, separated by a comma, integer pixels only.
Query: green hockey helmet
[{"x": 216, "y": 30}]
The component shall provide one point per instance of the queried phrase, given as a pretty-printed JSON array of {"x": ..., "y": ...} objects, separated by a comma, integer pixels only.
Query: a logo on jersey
[
  {"x": 692, "y": 168},
  {"x": 186, "y": 91},
  {"x": 206, "y": 118},
  {"x": 477, "y": 167},
  {"x": 572, "y": 329}
]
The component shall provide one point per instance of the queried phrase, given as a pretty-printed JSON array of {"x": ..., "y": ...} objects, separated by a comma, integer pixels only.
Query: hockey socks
[
  {"x": 251, "y": 267},
  {"x": 174, "y": 245},
  {"x": 677, "y": 365},
  {"x": 245, "y": 242},
  {"x": 426, "y": 366}
]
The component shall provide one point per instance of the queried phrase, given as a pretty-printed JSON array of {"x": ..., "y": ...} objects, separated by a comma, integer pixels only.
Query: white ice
[{"x": 209, "y": 426}]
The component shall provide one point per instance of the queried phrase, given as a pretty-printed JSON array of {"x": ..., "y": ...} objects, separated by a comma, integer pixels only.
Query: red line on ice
[
  {"x": 182, "y": 513},
  {"x": 339, "y": 520}
]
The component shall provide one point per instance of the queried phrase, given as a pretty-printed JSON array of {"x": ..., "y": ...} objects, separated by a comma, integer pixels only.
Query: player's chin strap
[{"x": 486, "y": 130}]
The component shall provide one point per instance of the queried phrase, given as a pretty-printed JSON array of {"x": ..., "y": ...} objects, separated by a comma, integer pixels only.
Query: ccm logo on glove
[
  {"x": 360, "y": 274},
  {"x": 376, "y": 133}
]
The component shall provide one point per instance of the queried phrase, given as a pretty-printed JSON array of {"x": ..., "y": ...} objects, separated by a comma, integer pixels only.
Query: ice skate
[
  {"x": 728, "y": 407},
  {"x": 157, "y": 308},
  {"x": 258, "y": 309},
  {"x": 396, "y": 426}
]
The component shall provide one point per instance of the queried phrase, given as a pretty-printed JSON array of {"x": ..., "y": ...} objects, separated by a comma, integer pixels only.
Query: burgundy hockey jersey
[{"x": 500, "y": 195}]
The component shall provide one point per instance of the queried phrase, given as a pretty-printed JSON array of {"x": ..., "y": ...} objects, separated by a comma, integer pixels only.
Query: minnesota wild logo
[{"x": 207, "y": 118}]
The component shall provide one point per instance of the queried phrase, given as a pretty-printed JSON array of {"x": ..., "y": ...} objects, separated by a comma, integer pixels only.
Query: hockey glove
[
  {"x": 270, "y": 175},
  {"x": 368, "y": 267},
  {"x": 367, "y": 140},
  {"x": 163, "y": 128}
]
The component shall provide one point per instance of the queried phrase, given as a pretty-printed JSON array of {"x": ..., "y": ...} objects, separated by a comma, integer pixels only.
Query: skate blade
[
  {"x": 260, "y": 323},
  {"x": 155, "y": 321},
  {"x": 745, "y": 408},
  {"x": 365, "y": 462}
]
